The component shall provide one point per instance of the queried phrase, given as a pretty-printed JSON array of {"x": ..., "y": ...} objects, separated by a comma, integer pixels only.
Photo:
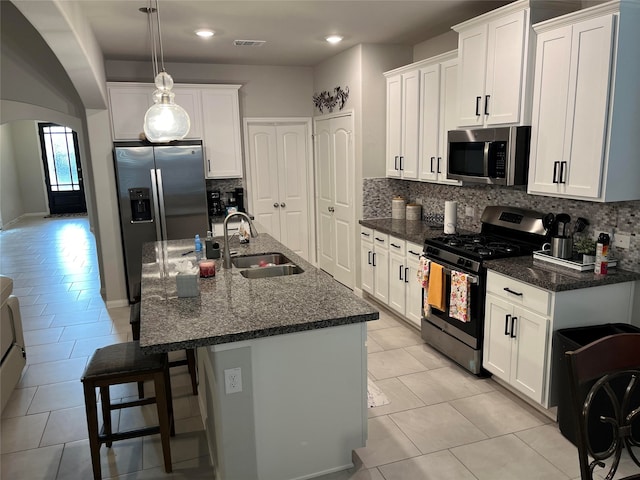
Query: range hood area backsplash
[{"x": 603, "y": 217}]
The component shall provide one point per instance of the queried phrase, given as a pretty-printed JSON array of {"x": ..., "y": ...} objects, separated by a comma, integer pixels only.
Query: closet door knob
[
  {"x": 275, "y": 205},
  {"x": 283, "y": 204}
]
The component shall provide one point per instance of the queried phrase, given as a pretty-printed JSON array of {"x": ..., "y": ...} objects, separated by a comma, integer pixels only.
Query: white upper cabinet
[
  {"x": 403, "y": 91},
  {"x": 438, "y": 110},
  {"x": 495, "y": 63},
  {"x": 213, "y": 111},
  {"x": 584, "y": 135}
]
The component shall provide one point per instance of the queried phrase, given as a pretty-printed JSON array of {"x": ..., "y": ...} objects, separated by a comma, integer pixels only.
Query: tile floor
[{"x": 441, "y": 423}]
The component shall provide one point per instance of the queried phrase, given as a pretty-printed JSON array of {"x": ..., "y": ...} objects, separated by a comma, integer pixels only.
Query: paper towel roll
[{"x": 450, "y": 216}]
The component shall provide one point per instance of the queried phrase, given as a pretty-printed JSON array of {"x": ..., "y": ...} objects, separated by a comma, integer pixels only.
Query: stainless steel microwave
[{"x": 496, "y": 156}]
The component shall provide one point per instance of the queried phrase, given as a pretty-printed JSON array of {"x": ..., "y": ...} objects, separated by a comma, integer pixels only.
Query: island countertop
[{"x": 233, "y": 308}]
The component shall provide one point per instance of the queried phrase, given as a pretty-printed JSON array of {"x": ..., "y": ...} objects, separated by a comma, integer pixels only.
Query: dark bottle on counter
[
  {"x": 208, "y": 245},
  {"x": 602, "y": 253}
]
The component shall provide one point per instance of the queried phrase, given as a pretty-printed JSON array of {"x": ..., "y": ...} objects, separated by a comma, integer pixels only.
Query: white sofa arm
[{"x": 13, "y": 358}]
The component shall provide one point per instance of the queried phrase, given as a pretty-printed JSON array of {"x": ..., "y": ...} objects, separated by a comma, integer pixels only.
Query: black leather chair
[{"x": 605, "y": 383}]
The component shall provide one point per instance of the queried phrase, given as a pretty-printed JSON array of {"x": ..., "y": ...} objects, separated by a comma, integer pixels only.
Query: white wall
[
  {"x": 10, "y": 199},
  {"x": 267, "y": 91},
  {"x": 30, "y": 166}
]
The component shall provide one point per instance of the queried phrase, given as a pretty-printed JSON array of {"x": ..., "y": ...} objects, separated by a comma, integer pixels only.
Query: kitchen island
[{"x": 281, "y": 361}]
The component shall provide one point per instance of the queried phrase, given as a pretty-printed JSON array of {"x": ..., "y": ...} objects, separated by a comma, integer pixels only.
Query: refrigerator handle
[
  {"x": 156, "y": 208},
  {"x": 163, "y": 218}
]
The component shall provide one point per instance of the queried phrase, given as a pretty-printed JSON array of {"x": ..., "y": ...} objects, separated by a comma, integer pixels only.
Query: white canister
[
  {"x": 414, "y": 211},
  {"x": 398, "y": 209},
  {"x": 450, "y": 217}
]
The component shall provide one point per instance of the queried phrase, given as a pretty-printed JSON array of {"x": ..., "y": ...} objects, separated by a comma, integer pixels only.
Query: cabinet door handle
[
  {"x": 406, "y": 275},
  {"x": 506, "y": 324},
  {"x": 331, "y": 209},
  {"x": 439, "y": 158},
  {"x": 555, "y": 171},
  {"x": 432, "y": 159},
  {"x": 486, "y": 104},
  {"x": 275, "y": 205},
  {"x": 208, "y": 165},
  {"x": 401, "y": 162},
  {"x": 507, "y": 289},
  {"x": 478, "y": 106},
  {"x": 400, "y": 273},
  {"x": 283, "y": 204},
  {"x": 395, "y": 162},
  {"x": 513, "y": 327},
  {"x": 562, "y": 178},
  {"x": 369, "y": 257},
  {"x": 374, "y": 259}
]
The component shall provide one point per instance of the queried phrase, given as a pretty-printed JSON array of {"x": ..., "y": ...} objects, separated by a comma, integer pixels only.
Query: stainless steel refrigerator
[{"x": 161, "y": 196}]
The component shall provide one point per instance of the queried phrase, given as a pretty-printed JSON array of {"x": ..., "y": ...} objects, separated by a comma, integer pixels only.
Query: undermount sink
[
  {"x": 259, "y": 260},
  {"x": 274, "y": 271}
]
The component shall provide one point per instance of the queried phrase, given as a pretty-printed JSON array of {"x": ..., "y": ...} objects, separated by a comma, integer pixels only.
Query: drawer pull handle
[
  {"x": 513, "y": 327},
  {"x": 395, "y": 246},
  {"x": 406, "y": 275},
  {"x": 506, "y": 324},
  {"x": 374, "y": 259},
  {"x": 507, "y": 289},
  {"x": 361, "y": 233}
]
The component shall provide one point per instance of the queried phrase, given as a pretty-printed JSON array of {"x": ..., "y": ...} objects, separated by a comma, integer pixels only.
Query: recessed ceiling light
[
  {"x": 205, "y": 33},
  {"x": 334, "y": 39}
]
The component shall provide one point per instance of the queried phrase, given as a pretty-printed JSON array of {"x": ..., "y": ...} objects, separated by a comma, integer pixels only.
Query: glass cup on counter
[{"x": 207, "y": 269}]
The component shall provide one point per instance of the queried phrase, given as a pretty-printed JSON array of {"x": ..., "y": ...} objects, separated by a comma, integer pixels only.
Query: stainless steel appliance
[
  {"x": 505, "y": 232},
  {"x": 498, "y": 156},
  {"x": 161, "y": 196}
]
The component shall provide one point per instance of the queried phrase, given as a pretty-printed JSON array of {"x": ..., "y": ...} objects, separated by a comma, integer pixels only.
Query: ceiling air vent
[{"x": 249, "y": 43}]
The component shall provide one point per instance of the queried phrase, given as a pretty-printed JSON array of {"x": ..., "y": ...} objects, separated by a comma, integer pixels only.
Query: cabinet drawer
[
  {"x": 366, "y": 234},
  {"x": 414, "y": 251},
  {"x": 380, "y": 240},
  {"x": 518, "y": 293},
  {"x": 397, "y": 246}
]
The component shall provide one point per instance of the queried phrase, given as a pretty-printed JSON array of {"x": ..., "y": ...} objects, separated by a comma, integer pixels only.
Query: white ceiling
[{"x": 294, "y": 29}]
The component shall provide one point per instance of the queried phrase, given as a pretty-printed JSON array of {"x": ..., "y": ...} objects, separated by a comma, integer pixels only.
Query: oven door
[{"x": 470, "y": 333}]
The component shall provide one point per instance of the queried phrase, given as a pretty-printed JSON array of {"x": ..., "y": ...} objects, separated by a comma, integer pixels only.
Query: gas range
[{"x": 505, "y": 232}]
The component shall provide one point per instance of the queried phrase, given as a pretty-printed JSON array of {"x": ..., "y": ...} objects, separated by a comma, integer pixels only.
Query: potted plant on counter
[{"x": 587, "y": 247}]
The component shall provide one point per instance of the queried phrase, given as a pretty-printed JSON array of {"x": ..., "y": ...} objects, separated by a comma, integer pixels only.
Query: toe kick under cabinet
[{"x": 520, "y": 320}]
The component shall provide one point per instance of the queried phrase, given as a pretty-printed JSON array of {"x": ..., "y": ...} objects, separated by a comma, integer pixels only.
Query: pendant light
[{"x": 165, "y": 121}]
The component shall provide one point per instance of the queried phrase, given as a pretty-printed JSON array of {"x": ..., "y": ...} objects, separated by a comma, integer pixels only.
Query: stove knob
[
  {"x": 460, "y": 261},
  {"x": 467, "y": 263}
]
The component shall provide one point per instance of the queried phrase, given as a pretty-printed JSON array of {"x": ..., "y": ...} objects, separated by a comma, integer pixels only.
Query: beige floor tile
[
  {"x": 89, "y": 285},
  {"x": 75, "y": 318},
  {"x": 64, "y": 426},
  {"x": 32, "y": 310},
  {"x": 549, "y": 442},
  {"x": 400, "y": 398},
  {"x": 354, "y": 474},
  {"x": 59, "y": 297},
  {"x": 53, "y": 372},
  {"x": 428, "y": 356},
  {"x": 22, "y": 433},
  {"x": 434, "y": 466},
  {"x": 496, "y": 413},
  {"x": 393, "y": 363},
  {"x": 386, "y": 444},
  {"x": 49, "y": 352},
  {"x": 385, "y": 321},
  {"x": 396, "y": 337},
  {"x": 122, "y": 458},
  {"x": 445, "y": 384},
  {"x": 40, "y": 464},
  {"x": 41, "y": 337},
  {"x": 53, "y": 308},
  {"x": 195, "y": 469},
  {"x": 184, "y": 446},
  {"x": 86, "y": 330},
  {"x": 57, "y": 396},
  {"x": 36, "y": 323},
  {"x": 19, "y": 402},
  {"x": 506, "y": 458},
  {"x": 87, "y": 346},
  {"x": 436, "y": 427},
  {"x": 27, "y": 300},
  {"x": 46, "y": 289},
  {"x": 373, "y": 346}
]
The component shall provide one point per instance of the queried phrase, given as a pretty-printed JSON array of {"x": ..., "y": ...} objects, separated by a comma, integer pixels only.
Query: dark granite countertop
[
  {"x": 232, "y": 308},
  {"x": 554, "y": 277},
  {"x": 411, "y": 230},
  {"x": 538, "y": 273}
]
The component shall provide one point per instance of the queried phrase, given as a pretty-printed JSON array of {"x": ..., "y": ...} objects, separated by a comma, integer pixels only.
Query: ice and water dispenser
[{"x": 140, "y": 200}]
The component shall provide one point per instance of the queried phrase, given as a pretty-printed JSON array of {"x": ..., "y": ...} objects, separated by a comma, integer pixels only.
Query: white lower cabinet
[
  {"x": 520, "y": 320},
  {"x": 388, "y": 272}
]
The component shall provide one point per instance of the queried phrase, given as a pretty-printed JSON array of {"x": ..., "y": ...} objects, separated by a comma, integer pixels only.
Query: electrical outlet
[
  {"x": 232, "y": 380},
  {"x": 622, "y": 240}
]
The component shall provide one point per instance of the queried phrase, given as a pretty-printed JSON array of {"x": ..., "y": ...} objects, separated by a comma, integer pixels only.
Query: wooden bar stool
[
  {"x": 125, "y": 363},
  {"x": 190, "y": 360}
]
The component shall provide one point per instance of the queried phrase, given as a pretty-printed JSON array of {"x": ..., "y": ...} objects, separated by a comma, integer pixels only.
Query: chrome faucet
[{"x": 227, "y": 254}]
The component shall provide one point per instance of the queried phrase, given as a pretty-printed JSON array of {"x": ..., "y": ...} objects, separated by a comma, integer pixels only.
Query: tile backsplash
[{"x": 623, "y": 217}]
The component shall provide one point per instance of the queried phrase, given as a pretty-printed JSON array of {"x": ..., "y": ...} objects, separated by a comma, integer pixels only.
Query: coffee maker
[{"x": 215, "y": 203}]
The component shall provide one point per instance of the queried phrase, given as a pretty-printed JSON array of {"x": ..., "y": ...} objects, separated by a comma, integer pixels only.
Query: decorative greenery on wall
[{"x": 324, "y": 99}]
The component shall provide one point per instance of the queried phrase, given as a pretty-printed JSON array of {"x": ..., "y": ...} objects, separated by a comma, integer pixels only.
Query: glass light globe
[
  {"x": 165, "y": 122},
  {"x": 164, "y": 81}
]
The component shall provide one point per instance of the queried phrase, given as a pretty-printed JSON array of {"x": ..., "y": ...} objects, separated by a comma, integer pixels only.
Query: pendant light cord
[
  {"x": 160, "y": 35},
  {"x": 152, "y": 39}
]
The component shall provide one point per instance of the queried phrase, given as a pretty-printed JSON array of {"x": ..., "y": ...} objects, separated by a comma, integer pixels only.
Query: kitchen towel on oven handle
[
  {"x": 436, "y": 293},
  {"x": 423, "y": 271},
  {"x": 459, "y": 298}
]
